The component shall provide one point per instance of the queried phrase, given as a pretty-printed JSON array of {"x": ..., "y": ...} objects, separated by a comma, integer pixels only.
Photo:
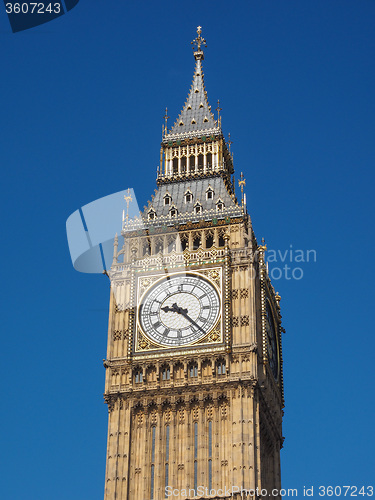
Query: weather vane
[
  {"x": 242, "y": 184},
  {"x": 199, "y": 41},
  {"x": 128, "y": 198}
]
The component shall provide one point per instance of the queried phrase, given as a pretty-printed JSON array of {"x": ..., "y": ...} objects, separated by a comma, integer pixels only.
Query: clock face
[
  {"x": 179, "y": 310},
  {"x": 273, "y": 358}
]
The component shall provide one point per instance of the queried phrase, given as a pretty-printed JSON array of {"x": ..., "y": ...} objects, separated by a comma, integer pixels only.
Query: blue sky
[{"x": 82, "y": 101}]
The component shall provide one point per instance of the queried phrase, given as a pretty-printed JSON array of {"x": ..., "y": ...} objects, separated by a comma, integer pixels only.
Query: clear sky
[{"x": 82, "y": 104}]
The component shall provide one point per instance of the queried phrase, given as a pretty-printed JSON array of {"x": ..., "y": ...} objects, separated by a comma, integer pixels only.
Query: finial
[
  {"x": 166, "y": 120},
  {"x": 199, "y": 41},
  {"x": 218, "y": 109},
  {"x": 229, "y": 142},
  {"x": 128, "y": 198},
  {"x": 242, "y": 184}
]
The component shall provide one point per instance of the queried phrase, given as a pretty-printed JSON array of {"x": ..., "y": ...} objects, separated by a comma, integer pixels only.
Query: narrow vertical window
[
  {"x": 195, "y": 457},
  {"x": 210, "y": 455},
  {"x": 166, "y": 458},
  {"x": 152, "y": 462}
]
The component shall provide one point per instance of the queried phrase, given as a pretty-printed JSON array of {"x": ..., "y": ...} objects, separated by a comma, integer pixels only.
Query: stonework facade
[{"x": 205, "y": 412}]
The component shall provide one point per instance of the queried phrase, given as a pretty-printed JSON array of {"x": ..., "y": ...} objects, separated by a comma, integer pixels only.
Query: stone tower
[{"x": 194, "y": 382}]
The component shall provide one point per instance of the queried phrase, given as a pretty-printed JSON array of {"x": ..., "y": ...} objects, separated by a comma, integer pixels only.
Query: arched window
[
  {"x": 138, "y": 376},
  {"x": 165, "y": 373},
  {"x": 183, "y": 164},
  {"x": 196, "y": 241},
  {"x": 175, "y": 165},
  {"x": 209, "y": 239},
  {"x": 193, "y": 370},
  {"x": 200, "y": 162},
  {"x": 221, "y": 240},
  {"x": 220, "y": 367},
  {"x": 198, "y": 208},
  {"x": 209, "y": 160}
]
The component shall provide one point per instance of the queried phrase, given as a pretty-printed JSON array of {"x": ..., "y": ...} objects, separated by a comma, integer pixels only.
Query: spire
[{"x": 195, "y": 118}]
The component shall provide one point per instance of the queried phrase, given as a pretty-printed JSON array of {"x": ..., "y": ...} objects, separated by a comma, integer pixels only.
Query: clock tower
[{"x": 194, "y": 381}]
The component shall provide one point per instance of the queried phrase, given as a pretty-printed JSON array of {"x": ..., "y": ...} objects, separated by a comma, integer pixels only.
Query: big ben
[{"x": 194, "y": 380}]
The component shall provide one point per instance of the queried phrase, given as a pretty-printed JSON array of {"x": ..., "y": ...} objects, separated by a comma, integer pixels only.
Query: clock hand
[
  {"x": 191, "y": 320},
  {"x": 178, "y": 310},
  {"x": 167, "y": 309}
]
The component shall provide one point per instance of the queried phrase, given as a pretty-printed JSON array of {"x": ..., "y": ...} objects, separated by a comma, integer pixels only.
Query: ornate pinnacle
[
  {"x": 128, "y": 198},
  {"x": 199, "y": 41}
]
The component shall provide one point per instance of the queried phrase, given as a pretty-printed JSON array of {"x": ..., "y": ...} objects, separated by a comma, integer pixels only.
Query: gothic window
[
  {"x": 138, "y": 376},
  {"x": 171, "y": 244},
  {"x": 205, "y": 119},
  {"x": 193, "y": 122},
  {"x": 209, "y": 193},
  {"x": 175, "y": 165},
  {"x": 221, "y": 239},
  {"x": 200, "y": 162},
  {"x": 196, "y": 241},
  {"x": 181, "y": 124},
  {"x": 209, "y": 160},
  {"x": 209, "y": 239},
  {"x": 158, "y": 245},
  {"x": 193, "y": 370},
  {"x": 183, "y": 164},
  {"x": 192, "y": 163},
  {"x": 165, "y": 373},
  {"x": 184, "y": 241},
  {"x": 167, "y": 199},
  {"x": 220, "y": 367},
  {"x": 146, "y": 247},
  {"x": 189, "y": 107},
  {"x": 201, "y": 105}
]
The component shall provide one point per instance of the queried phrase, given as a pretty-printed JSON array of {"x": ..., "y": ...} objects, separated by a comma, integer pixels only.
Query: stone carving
[{"x": 244, "y": 321}]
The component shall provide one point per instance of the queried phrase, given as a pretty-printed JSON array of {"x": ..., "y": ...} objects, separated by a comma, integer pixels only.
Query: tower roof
[{"x": 196, "y": 118}]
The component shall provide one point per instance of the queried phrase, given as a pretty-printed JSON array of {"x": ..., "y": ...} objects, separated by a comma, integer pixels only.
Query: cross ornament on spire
[{"x": 199, "y": 41}]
